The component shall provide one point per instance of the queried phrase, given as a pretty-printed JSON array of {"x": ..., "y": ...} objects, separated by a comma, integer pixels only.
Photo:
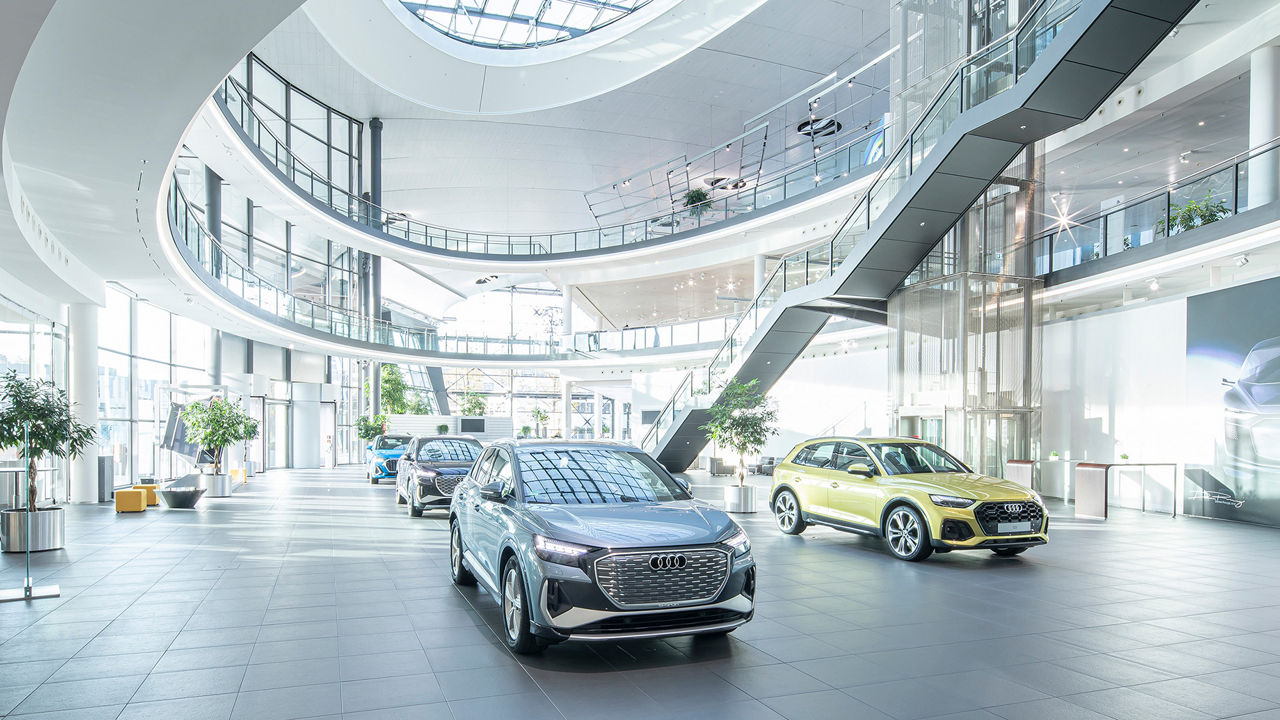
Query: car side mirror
[
  {"x": 404, "y": 456},
  {"x": 368, "y": 447},
  {"x": 492, "y": 492},
  {"x": 860, "y": 469},
  {"x": 684, "y": 484},
  {"x": 1227, "y": 383}
]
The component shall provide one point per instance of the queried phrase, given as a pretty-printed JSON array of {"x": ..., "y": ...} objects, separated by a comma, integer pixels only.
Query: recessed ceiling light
[
  {"x": 921, "y": 224},
  {"x": 1119, "y": 182},
  {"x": 1154, "y": 284},
  {"x": 1022, "y": 127},
  {"x": 1201, "y": 123},
  {"x": 1126, "y": 149}
]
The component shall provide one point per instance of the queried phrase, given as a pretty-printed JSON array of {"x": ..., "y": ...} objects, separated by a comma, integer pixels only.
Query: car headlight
[
  {"x": 558, "y": 551},
  {"x": 951, "y": 501},
  {"x": 740, "y": 543},
  {"x": 430, "y": 473}
]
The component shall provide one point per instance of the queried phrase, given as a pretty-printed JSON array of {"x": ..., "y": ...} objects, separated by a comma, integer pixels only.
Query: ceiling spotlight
[
  {"x": 1153, "y": 284},
  {"x": 850, "y": 83},
  {"x": 817, "y": 178},
  {"x": 727, "y": 148},
  {"x": 1022, "y": 127},
  {"x": 1242, "y": 260},
  {"x": 1184, "y": 157},
  {"x": 921, "y": 224},
  {"x": 626, "y": 183}
]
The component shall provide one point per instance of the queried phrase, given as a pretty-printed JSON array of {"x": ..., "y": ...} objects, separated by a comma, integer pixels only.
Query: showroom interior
[{"x": 577, "y": 359}]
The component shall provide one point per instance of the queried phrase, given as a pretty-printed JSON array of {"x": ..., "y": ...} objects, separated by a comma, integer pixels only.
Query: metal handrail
[
  {"x": 861, "y": 213},
  {"x": 657, "y": 227},
  {"x": 221, "y": 263},
  {"x": 1165, "y": 192}
]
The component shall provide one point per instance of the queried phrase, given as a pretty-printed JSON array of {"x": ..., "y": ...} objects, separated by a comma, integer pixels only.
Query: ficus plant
[
  {"x": 1193, "y": 214},
  {"x": 369, "y": 427},
  {"x": 473, "y": 404},
  {"x": 697, "y": 201},
  {"x": 36, "y": 418},
  {"x": 741, "y": 420},
  {"x": 215, "y": 425}
]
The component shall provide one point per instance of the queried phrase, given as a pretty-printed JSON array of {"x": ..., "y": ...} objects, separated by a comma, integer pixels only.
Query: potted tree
[
  {"x": 442, "y": 429},
  {"x": 35, "y": 418},
  {"x": 697, "y": 201},
  {"x": 741, "y": 420},
  {"x": 214, "y": 425},
  {"x": 540, "y": 418},
  {"x": 248, "y": 433}
]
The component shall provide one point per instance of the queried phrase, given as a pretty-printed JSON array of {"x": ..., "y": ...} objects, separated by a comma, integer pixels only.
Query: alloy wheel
[
  {"x": 904, "y": 532},
  {"x": 784, "y": 509},
  {"x": 512, "y": 603}
]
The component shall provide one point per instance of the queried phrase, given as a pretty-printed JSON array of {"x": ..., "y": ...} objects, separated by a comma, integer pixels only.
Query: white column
[
  {"x": 566, "y": 405},
  {"x": 597, "y": 417},
  {"x": 1264, "y": 122},
  {"x": 566, "y": 308},
  {"x": 83, "y": 352},
  {"x": 758, "y": 274}
]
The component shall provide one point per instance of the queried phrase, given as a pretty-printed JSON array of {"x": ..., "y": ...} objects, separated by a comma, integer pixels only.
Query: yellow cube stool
[
  {"x": 150, "y": 490},
  {"x": 240, "y": 476},
  {"x": 131, "y": 501}
]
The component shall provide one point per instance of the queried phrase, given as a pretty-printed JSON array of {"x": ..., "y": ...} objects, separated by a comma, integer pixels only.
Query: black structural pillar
[{"x": 213, "y": 217}]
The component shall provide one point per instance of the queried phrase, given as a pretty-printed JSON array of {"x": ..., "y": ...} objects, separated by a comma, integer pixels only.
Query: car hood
[
  {"x": 388, "y": 453},
  {"x": 618, "y": 525},
  {"x": 1253, "y": 397},
  {"x": 446, "y": 468},
  {"x": 970, "y": 485}
]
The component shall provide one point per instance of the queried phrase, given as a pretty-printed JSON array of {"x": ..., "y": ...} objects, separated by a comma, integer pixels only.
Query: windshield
[
  {"x": 908, "y": 458},
  {"x": 589, "y": 476},
  {"x": 440, "y": 450},
  {"x": 1260, "y": 365},
  {"x": 392, "y": 442}
]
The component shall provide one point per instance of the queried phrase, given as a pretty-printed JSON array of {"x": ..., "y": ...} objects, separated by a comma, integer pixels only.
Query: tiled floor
[{"x": 310, "y": 594}]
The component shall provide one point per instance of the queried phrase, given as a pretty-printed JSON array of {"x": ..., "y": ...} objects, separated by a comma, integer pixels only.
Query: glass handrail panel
[
  {"x": 989, "y": 74},
  {"x": 1201, "y": 201},
  {"x": 1040, "y": 29},
  {"x": 891, "y": 179},
  {"x": 936, "y": 122}
]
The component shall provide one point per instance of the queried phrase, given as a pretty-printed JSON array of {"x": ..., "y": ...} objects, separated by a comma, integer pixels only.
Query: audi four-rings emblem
[
  {"x": 1013, "y": 507},
  {"x": 668, "y": 561}
]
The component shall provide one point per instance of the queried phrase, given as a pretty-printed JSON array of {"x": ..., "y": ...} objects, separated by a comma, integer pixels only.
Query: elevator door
[{"x": 276, "y": 437}]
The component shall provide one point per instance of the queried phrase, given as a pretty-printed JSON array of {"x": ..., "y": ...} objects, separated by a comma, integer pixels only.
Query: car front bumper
[
  {"x": 571, "y": 606},
  {"x": 959, "y": 529}
]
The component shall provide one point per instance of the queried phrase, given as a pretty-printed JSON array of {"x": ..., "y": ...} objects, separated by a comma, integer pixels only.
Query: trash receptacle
[{"x": 106, "y": 478}]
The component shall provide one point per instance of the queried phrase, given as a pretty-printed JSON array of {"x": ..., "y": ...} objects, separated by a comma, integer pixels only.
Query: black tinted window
[
  {"x": 910, "y": 458},
  {"x": 816, "y": 455},
  {"x": 442, "y": 450},
  {"x": 583, "y": 476},
  {"x": 392, "y": 442}
]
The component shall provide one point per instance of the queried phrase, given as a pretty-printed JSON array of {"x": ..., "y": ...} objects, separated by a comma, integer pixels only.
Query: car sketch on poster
[{"x": 1233, "y": 369}]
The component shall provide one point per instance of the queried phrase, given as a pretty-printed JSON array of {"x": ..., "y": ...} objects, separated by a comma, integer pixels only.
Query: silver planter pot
[
  {"x": 740, "y": 499},
  {"x": 48, "y": 529},
  {"x": 219, "y": 485}
]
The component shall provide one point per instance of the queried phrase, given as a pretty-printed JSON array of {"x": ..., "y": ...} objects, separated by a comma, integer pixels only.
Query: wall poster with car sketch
[{"x": 1233, "y": 371}]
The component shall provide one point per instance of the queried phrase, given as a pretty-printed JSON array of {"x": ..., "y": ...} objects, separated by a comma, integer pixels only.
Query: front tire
[
  {"x": 515, "y": 611},
  {"x": 457, "y": 570},
  {"x": 400, "y": 499},
  {"x": 907, "y": 534},
  {"x": 786, "y": 511},
  {"x": 415, "y": 510}
]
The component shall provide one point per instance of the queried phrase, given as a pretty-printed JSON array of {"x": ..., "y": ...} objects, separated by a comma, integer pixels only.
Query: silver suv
[{"x": 596, "y": 541}]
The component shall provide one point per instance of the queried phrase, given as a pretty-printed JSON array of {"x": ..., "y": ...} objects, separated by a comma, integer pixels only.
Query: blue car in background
[
  {"x": 382, "y": 455},
  {"x": 596, "y": 541}
]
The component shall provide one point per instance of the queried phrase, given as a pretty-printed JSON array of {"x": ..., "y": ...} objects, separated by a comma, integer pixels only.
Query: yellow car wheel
[
  {"x": 786, "y": 511},
  {"x": 907, "y": 534}
]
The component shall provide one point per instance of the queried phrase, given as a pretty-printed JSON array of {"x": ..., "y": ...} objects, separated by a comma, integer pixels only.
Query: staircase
[{"x": 1051, "y": 72}]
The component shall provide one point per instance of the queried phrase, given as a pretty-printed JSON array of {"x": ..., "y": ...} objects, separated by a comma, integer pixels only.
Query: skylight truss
[{"x": 513, "y": 24}]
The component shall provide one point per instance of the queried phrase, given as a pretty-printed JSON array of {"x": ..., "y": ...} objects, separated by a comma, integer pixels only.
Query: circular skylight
[{"x": 514, "y": 24}]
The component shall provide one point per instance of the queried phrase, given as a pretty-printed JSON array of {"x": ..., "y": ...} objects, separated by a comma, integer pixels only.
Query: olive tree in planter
[
  {"x": 473, "y": 404},
  {"x": 215, "y": 425},
  {"x": 742, "y": 420},
  {"x": 35, "y": 418},
  {"x": 442, "y": 429},
  {"x": 248, "y": 433},
  {"x": 540, "y": 418}
]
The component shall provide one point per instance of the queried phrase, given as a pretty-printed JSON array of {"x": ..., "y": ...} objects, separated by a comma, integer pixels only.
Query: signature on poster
[{"x": 1219, "y": 498}]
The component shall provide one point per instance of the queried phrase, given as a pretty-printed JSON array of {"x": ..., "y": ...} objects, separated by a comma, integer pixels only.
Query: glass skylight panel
[{"x": 512, "y": 24}]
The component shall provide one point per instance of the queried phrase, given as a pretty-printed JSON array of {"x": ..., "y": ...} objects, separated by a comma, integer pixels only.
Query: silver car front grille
[
  {"x": 446, "y": 483},
  {"x": 663, "y": 578}
]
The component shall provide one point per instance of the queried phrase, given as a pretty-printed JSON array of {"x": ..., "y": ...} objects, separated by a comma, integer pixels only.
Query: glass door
[
  {"x": 276, "y": 436},
  {"x": 257, "y": 411},
  {"x": 328, "y": 434}
]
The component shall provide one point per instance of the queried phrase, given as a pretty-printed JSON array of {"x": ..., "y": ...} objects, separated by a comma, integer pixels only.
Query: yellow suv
[{"x": 909, "y": 492}]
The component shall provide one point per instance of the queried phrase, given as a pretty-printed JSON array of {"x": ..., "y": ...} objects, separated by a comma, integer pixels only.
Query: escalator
[{"x": 1050, "y": 73}]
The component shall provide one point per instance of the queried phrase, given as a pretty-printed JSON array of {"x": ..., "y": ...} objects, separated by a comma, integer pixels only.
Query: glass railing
[
  {"x": 224, "y": 268},
  {"x": 983, "y": 75},
  {"x": 1236, "y": 185},
  {"x": 820, "y": 171}
]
